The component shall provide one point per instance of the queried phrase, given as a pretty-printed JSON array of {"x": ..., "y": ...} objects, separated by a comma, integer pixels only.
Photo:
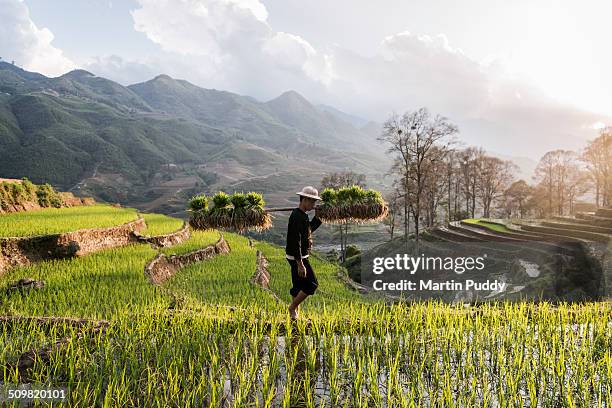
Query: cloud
[
  {"x": 125, "y": 72},
  {"x": 232, "y": 44},
  {"x": 29, "y": 46},
  {"x": 229, "y": 44}
]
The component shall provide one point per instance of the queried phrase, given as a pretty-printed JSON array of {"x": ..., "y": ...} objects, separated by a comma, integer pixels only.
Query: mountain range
[{"x": 154, "y": 144}]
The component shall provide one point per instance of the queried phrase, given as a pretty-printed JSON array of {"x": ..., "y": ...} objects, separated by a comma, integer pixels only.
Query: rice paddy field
[
  {"x": 159, "y": 224},
  {"x": 59, "y": 220},
  {"x": 208, "y": 337},
  {"x": 490, "y": 225}
]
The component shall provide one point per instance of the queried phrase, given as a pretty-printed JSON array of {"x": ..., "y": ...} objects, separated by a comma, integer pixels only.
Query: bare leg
[
  {"x": 296, "y": 303},
  {"x": 297, "y": 308}
]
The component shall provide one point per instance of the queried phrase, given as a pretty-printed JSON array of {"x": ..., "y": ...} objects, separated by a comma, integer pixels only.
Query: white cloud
[
  {"x": 231, "y": 46},
  {"x": 233, "y": 43},
  {"x": 123, "y": 71},
  {"x": 29, "y": 46}
]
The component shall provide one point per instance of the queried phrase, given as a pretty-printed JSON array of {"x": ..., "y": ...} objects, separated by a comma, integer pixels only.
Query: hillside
[{"x": 153, "y": 145}]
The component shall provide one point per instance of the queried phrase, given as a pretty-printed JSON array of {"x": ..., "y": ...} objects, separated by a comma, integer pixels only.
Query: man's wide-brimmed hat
[{"x": 309, "y": 191}]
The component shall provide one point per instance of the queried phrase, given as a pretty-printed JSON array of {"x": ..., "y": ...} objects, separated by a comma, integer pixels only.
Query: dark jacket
[{"x": 299, "y": 230}]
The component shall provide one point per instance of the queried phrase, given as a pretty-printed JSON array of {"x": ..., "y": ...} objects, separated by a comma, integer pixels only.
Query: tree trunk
[{"x": 406, "y": 219}]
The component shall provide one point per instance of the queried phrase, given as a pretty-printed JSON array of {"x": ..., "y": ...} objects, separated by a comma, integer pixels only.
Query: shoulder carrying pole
[{"x": 279, "y": 209}]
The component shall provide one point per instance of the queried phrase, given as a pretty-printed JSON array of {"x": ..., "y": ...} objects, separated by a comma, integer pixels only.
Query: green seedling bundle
[
  {"x": 241, "y": 212},
  {"x": 237, "y": 212},
  {"x": 351, "y": 204}
]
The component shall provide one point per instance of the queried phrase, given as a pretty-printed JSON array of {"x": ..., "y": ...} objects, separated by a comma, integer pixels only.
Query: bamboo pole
[
  {"x": 282, "y": 209},
  {"x": 279, "y": 209}
]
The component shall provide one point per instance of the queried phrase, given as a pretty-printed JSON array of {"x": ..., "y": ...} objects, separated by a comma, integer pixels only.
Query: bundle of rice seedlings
[
  {"x": 198, "y": 203},
  {"x": 351, "y": 204},
  {"x": 238, "y": 212},
  {"x": 255, "y": 215},
  {"x": 198, "y": 207},
  {"x": 220, "y": 216}
]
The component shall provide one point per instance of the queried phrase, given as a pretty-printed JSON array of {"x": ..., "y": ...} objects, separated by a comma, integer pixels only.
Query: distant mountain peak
[
  {"x": 291, "y": 95},
  {"x": 5, "y": 65},
  {"x": 163, "y": 77},
  {"x": 78, "y": 73},
  {"x": 291, "y": 100}
]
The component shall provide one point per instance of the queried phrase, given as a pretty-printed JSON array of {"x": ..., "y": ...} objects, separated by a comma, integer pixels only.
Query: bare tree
[
  {"x": 545, "y": 175},
  {"x": 436, "y": 186},
  {"x": 394, "y": 200},
  {"x": 343, "y": 179},
  {"x": 578, "y": 182},
  {"x": 553, "y": 173},
  {"x": 516, "y": 199},
  {"x": 418, "y": 141},
  {"x": 453, "y": 185},
  {"x": 598, "y": 158},
  {"x": 538, "y": 200},
  {"x": 339, "y": 180},
  {"x": 404, "y": 187},
  {"x": 469, "y": 164},
  {"x": 494, "y": 177}
]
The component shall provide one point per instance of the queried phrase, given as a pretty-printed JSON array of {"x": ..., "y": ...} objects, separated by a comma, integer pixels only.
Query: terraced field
[
  {"x": 570, "y": 256},
  {"x": 210, "y": 337},
  {"x": 58, "y": 220}
]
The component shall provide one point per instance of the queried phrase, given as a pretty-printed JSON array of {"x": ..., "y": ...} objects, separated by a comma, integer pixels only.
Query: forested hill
[{"x": 135, "y": 144}]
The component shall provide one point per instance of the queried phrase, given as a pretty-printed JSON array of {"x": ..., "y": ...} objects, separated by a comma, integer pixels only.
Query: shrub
[
  {"x": 47, "y": 196},
  {"x": 29, "y": 187},
  {"x": 352, "y": 250}
]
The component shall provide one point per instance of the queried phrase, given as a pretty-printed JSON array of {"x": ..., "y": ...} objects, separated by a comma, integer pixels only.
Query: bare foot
[{"x": 293, "y": 313}]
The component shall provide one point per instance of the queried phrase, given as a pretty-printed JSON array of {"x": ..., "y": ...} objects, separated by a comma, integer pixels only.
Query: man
[{"x": 299, "y": 245}]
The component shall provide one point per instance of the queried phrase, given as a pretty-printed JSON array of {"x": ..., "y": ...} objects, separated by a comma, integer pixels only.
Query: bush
[
  {"x": 48, "y": 197},
  {"x": 352, "y": 250},
  {"x": 29, "y": 187},
  {"x": 332, "y": 255},
  {"x": 20, "y": 193}
]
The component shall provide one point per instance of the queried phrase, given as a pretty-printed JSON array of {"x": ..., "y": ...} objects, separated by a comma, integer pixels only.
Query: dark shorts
[{"x": 308, "y": 284}]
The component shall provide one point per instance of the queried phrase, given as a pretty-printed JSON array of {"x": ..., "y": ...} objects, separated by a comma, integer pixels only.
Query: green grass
[
  {"x": 160, "y": 224},
  {"x": 429, "y": 354},
  {"x": 332, "y": 291},
  {"x": 58, "y": 220},
  {"x": 223, "y": 280},
  {"x": 489, "y": 225},
  {"x": 198, "y": 239},
  {"x": 98, "y": 285}
]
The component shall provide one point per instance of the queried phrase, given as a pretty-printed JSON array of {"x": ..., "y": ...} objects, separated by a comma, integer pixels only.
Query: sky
[{"x": 519, "y": 78}]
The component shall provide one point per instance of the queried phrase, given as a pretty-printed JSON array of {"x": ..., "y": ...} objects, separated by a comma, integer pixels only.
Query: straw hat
[{"x": 309, "y": 191}]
